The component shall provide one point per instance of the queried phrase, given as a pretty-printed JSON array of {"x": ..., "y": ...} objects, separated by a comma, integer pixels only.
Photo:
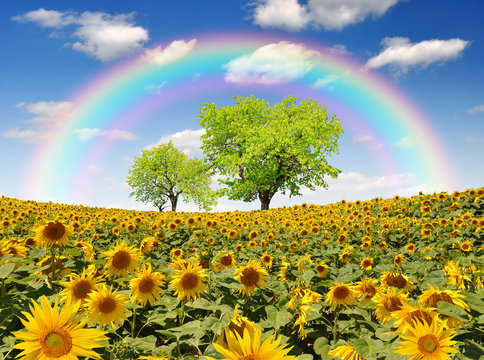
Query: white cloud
[
  {"x": 337, "y": 14},
  {"x": 326, "y": 82},
  {"x": 86, "y": 134},
  {"x": 400, "y": 53},
  {"x": 330, "y": 14},
  {"x": 284, "y": 14},
  {"x": 475, "y": 139},
  {"x": 362, "y": 138},
  {"x": 48, "y": 116},
  {"x": 476, "y": 109},
  {"x": 405, "y": 142},
  {"x": 339, "y": 49},
  {"x": 46, "y": 18},
  {"x": 271, "y": 64},
  {"x": 104, "y": 36},
  {"x": 187, "y": 141},
  {"x": 108, "y": 37},
  {"x": 174, "y": 51}
]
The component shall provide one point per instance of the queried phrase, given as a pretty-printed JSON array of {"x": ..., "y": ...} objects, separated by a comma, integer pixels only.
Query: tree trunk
[
  {"x": 160, "y": 208},
  {"x": 265, "y": 199},
  {"x": 174, "y": 200}
]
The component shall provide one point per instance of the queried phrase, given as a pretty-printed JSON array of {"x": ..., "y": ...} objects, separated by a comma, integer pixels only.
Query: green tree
[
  {"x": 269, "y": 148},
  {"x": 164, "y": 173}
]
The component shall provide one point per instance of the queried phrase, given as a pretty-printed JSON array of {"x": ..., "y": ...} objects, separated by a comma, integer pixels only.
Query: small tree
[
  {"x": 164, "y": 173},
  {"x": 269, "y": 148}
]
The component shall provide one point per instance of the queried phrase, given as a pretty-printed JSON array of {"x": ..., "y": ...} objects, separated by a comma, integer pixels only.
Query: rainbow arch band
[{"x": 117, "y": 99}]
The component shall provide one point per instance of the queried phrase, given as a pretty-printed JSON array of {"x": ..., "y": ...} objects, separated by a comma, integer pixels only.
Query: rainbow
[{"x": 117, "y": 99}]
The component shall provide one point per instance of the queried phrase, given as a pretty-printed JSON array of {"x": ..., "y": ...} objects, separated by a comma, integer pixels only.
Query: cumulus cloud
[
  {"x": 104, "y": 36},
  {"x": 47, "y": 117},
  {"x": 476, "y": 110},
  {"x": 271, "y": 64},
  {"x": 400, "y": 53},
  {"x": 86, "y": 134},
  {"x": 283, "y": 14},
  {"x": 187, "y": 141},
  {"x": 292, "y": 15},
  {"x": 174, "y": 51}
]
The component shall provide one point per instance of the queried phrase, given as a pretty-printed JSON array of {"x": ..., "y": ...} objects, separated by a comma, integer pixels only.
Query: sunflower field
[{"x": 399, "y": 278}]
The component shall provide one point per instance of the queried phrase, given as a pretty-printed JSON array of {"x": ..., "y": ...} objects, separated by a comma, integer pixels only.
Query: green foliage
[
  {"x": 271, "y": 148},
  {"x": 163, "y": 173}
]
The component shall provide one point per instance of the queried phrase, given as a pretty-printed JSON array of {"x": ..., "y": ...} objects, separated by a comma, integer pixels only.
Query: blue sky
[{"x": 431, "y": 50}]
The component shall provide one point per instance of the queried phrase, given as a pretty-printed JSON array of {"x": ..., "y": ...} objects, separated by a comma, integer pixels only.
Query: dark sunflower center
[
  {"x": 146, "y": 285},
  {"x": 54, "y": 231},
  {"x": 393, "y": 304},
  {"x": 396, "y": 281},
  {"x": 189, "y": 281},
  {"x": 250, "y": 277},
  {"x": 107, "y": 305},
  {"x": 421, "y": 316},
  {"x": 436, "y": 297},
  {"x": 226, "y": 260},
  {"x": 56, "y": 343},
  {"x": 82, "y": 289},
  {"x": 366, "y": 263},
  {"x": 121, "y": 259},
  {"x": 341, "y": 292}
]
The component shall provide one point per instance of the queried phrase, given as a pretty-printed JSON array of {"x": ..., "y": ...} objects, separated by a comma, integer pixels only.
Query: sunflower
[
  {"x": 409, "y": 314},
  {"x": 345, "y": 352},
  {"x": 249, "y": 346},
  {"x": 366, "y": 263},
  {"x": 341, "y": 294},
  {"x": 52, "y": 334},
  {"x": 466, "y": 246},
  {"x": 367, "y": 288},
  {"x": 398, "y": 260},
  {"x": 396, "y": 279},
  {"x": 427, "y": 342},
  {"x": 106, "y": 307},
  {"x": 410, "y": 248},
  {"x": 53, "y": 233},
  {"x": 251, "y": 276},
  {"x": 454, "y": 275},
  {"x": 176, "y": 253},
  {"x": 146, "y": 286},
  {"x": 237, "y": 324},
  {"x": 266, "y": 260},
  {"x": 433, "y": 296},
  {"x": 189, "y": 281},
  {"x": 122, "y": 259},
  {"x": 322, "y": 269},
  {"x": 227, "y": 261},
  {"x": 79, "y": 287},
  {"x": 388, "y": 302}
]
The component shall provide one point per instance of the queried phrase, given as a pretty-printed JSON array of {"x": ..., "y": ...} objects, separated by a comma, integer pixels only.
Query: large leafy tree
[
  {"x": 163, "y": 173},
  {"x": 263, "y": 149}
]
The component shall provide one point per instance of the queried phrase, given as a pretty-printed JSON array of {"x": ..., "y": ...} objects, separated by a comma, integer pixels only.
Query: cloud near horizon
[{"x": 271, "y": 64}]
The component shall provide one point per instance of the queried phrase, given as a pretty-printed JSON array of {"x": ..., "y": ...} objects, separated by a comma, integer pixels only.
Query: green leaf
[
  {"x": 277, "y": 318},
  {"x": 6, "y": 270},
  {"x": 475, "y": 301},
  {"x": 322, "y": 348},
  {"x": 435, "y": 278},
  {"x": 366, "y": 347},
  {"x": 446, "y": 308},
  {"x": 385, "y": 334},
  {"x": 305, "y": 357}
]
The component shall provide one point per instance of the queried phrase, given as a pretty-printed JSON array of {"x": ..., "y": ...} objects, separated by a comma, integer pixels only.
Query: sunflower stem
[
  {"x": 182, "y": 312},
  {"x": 335, "y": 325},
  {"x": 133, "y": 324},
  {"x": 52, "y": 265}
]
